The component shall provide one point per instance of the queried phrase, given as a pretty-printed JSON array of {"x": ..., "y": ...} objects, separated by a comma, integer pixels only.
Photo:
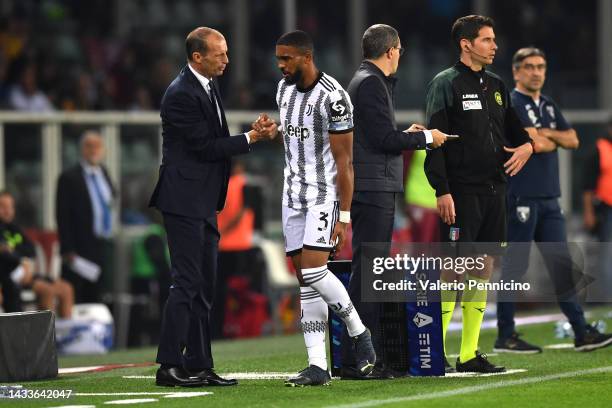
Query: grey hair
[
  {"x": 526, "y": 52},
  {"x": 377, "y": 40},
  {"x": 87, "y": 134}
]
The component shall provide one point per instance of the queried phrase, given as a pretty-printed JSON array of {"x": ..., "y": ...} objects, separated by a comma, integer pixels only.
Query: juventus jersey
[{"x": 308, "y": 118}]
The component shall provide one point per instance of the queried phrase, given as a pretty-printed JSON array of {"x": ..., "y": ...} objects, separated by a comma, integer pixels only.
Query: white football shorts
[{"x": 310, "y": 228}]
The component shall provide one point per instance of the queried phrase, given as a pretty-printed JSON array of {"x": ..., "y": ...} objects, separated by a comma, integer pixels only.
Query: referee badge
[
  {"x": 453, "y": 235},
  {"x": 498, "y": 98},
  {"x": 522, "y": 213}
]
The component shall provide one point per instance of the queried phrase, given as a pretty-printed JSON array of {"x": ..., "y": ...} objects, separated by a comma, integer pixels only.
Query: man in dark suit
[
  {"x": 84, "y": 217},
  {"x": 192, "y": 187}
]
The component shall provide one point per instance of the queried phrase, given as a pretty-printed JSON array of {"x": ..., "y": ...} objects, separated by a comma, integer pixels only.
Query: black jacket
[
  {"x": 377, "y": 144},
  {"x": 477, "y": 107},
  {"x": 196, "y": 151},
  {"x": 74, "y": 214}
]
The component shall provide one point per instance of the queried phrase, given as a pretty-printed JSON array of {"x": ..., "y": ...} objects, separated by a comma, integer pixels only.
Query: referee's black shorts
[{"x": 480, "y": 223}]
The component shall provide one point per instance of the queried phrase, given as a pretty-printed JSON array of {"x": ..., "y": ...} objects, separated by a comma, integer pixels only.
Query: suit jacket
[
  {"x": 196, "y": 151},
  {"x": 74, "y": 214}
]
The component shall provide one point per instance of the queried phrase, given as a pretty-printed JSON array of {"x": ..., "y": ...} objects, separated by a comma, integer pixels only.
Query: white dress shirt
[
  {"x": 206, "y": 85},
  {"x": 105, "y": 191}
]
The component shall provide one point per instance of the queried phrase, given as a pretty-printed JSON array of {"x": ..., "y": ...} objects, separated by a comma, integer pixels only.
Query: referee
[{"x": 469, "y": 175}]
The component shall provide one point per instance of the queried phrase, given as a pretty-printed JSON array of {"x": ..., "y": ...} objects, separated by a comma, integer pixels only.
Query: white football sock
[
  {"x": 335, "y": 295},
  {"x": 314, "y": 322}
]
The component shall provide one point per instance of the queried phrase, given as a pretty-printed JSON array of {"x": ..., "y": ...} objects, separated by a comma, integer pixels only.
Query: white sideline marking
[
  {"x": 76, "y": 406},
  {"x": 519, "y": 321},
  {"x": 282, "y": 376},
  {"x": 131, "y": 394},
  {"x": 560, "y": 346},
  {"x": 237, "y": 376},
  {"x": 187, "y": 394},
  {"x": 476, "y": 388},
  {"x": 459, "y": 375},
  {"x": 73, "y": 370},
  {"x": 131, "y": 401},
  {"x": 457, "y": 355}
]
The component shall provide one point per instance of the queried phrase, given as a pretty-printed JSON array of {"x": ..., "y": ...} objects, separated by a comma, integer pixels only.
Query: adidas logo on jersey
[{"x": 321, "y": 240}]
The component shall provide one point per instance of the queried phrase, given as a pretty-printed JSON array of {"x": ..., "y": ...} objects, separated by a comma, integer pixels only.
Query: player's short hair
[
  {"x": 196, "y": 41},
  {"x": 297, "y": 39},
  {"x": 526, "y": 52},
  {"x": 6, "y": 193},
  {"x": 377, "y": 40},
  {"x": 468, "y": 27}
]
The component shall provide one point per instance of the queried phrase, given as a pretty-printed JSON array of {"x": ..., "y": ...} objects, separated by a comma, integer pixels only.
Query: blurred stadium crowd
[{"x": 121, "y": 55}]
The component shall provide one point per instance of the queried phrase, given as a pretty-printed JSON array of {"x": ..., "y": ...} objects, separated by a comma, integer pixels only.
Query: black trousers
[
  {"x": 372, "y": 221},
  {"x": 193, "y": 245},
  {"x": 86, "y": 291}
]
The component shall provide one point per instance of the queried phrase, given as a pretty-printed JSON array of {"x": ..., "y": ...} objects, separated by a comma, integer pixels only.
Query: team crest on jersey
[
  {"x": 532, "y": 117},
  {"x": 498, "y": 98},
  {"x": 284, "y": 105},
  {"x": 522, "y": 213},
  {"x": 309, "y": 109}
]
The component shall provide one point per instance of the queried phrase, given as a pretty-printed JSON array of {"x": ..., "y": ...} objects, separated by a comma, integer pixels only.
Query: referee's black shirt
[{"x": 477, "y": 107}]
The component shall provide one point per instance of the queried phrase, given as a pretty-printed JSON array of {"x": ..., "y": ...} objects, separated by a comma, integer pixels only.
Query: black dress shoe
[
  {"x": 380, "y": 372},
  {"x": 176, "y": 376},
  {"x": 209, "y": 376}
]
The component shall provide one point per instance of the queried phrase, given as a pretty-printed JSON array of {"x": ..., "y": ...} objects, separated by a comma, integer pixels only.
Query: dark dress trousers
[
  {"x": 378, "y": 167},
  {"x": 192, "y": 186}
]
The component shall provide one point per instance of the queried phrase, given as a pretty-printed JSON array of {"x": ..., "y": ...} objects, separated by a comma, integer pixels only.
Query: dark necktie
[{"x": 213, "y": 99}]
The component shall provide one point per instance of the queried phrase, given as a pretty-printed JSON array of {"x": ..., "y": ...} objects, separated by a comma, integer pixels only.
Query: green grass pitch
[{"x": 555, "y": 378}]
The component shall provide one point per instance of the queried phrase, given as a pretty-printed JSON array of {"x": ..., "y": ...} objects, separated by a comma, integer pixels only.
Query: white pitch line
[
  {"x": 131, "y": 401},
  {"x": 457, "y": 355},
  {"x": 476, "y": 388},
  {"x": 560, "y": 346},
  {"x": 130, "y": 394},
  {"x": 74, "y": 370},
  {"x": 282, "y": 376},
  {"x": 461, "y": 375}
]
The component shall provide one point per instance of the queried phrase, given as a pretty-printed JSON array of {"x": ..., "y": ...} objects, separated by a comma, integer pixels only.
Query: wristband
[{"x": 345, "y": 217}]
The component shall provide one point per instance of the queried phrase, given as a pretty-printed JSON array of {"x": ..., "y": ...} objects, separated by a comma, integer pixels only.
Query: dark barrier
[{"x": 27, "y": 346}]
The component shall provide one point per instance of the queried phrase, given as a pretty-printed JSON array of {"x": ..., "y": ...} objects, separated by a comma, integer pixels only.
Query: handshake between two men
[{"x": 264, "y": 128}]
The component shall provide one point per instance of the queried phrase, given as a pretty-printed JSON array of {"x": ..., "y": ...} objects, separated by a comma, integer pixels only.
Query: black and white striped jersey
[{"x": 308, "y": 117}]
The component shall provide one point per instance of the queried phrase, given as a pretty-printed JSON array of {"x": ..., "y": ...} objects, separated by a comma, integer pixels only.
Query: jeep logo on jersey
[{"x": 301, "y": 133}]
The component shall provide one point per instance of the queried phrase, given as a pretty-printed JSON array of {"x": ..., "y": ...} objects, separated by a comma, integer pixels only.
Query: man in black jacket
[
  {"x": 378, "y": 166},
  {"x": 84, "y": 213},
  {"x": 469, "y": 175}
]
